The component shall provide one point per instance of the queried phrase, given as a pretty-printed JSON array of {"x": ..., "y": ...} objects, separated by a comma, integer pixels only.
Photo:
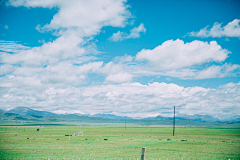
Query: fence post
[{"x": 143, "y": 153}]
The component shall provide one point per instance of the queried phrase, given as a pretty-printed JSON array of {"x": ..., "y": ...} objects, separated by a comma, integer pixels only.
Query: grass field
[{"x": 202, "y": 143}]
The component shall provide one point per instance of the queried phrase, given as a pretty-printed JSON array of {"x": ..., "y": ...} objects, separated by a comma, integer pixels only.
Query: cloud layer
[{"x": 131, "y": 99}]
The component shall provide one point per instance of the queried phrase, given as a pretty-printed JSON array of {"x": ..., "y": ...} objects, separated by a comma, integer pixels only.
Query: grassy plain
[{"x": 202, "y": 143}]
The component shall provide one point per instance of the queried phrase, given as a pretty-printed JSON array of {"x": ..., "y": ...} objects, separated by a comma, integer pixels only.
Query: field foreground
[{"x": 109, "y": 143}]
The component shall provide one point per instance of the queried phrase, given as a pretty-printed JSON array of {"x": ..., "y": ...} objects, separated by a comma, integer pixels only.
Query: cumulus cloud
[
  {"x": 232, "y": 29},
  {"x": 217, "y": 71},
  {"x": 177, "y": 54},
  {"x": 134, "y": 33},
  {"x": 84, "y": 18}
]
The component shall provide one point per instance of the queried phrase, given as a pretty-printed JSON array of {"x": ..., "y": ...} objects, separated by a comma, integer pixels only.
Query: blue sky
[{"x": 134, "y": 58}]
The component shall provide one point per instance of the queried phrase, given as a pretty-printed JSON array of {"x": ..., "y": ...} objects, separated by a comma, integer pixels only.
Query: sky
[{"x": 131, "y": 58}]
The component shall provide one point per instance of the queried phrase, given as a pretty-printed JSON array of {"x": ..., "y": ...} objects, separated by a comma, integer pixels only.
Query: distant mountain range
[
  {"x": 28, "y": 111},
  {"x": 25, "y": 116},
  {"x": 195, "y": 117}
]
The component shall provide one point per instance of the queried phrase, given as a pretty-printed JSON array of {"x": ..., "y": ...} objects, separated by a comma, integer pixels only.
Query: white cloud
[
  {"x": 175, "y": 54},
  {"x": 117, "y": 36},
  {"x": 41, "y": 41},
  {"x": 134, "y": 33},
  {"x": 123, "y": 59},
  {"x": 11, "y": 76},
  {"x": 230, "y": 85},
  {"x": 51, "y": 52},
  {"x": 52, "y": 91},
  {"x": 84, "y": 18},
  {"x": 168, "y": 79},
  {"x": 62, "y": 74},
  {"x": 217, "y": 71},
  {"x": 5, "y": 69},
  {"x": 210, "y": 72},
  {"x": 68, "y": 112},
  {"x": 11, "y": 47},
  {"x": 232, "y": 29},
  {"x": 187, "y": 73},
  {"x": 63, "y": 47},
  {"x": 27, "y": 71},
  {"x": 121, "y": 77},
  {"x": 111, "y": 68}
]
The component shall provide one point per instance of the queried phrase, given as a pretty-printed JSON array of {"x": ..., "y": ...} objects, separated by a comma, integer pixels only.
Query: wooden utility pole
[
  {"x": 143, "y": 153},
  {"x": 16, "y": 121},
  {"x": 125, "y": 122},
  {"x": 174, "y": 121}
]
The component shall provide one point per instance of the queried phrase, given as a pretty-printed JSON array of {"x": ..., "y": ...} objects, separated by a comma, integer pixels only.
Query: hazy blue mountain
[
  {"x": 28, "y": 111},
  {"x": 196, "y": 117},
  {"x": 109, "y": 116},
  {"x": 2, "y": 111},
  {"x": 235, "y": 118}
]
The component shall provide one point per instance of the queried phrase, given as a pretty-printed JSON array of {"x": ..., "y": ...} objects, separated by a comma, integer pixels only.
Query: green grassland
[{"x": 50, "y": 142}]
